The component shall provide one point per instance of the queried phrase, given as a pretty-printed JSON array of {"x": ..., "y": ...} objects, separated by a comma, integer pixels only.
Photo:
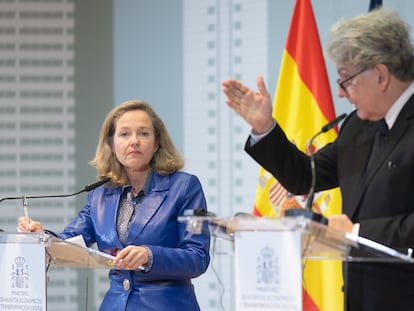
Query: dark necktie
[{"x": 381, "y": 129}]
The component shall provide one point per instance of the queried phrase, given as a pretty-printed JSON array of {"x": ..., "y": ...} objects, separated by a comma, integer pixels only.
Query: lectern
[
  {"x": 24, "y": 260},
  {"x": 269, "y": 252}
]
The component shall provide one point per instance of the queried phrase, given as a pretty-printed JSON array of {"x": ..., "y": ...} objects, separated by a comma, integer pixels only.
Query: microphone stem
[
  {"x": 313, "y": 182},
  {"x": 85, "y": 189},
  {"x": 42, "y": 196},
  {"x": 307, "y": 211}
]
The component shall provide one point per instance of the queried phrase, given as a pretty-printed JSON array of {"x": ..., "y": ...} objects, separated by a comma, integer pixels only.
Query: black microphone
[
  {"x": 199, "y": 212},
  {"x": 90, "y": 187},
  {"x": 331, "y": 124},
  {"x": 307, "y": 211},
  {"x": 85, "y": 189},
  {"x": 324, "y": 129}
]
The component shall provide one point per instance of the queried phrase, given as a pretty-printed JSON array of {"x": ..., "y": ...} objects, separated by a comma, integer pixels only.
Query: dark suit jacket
[
  {"x": 178, "y": 255},
  {"x": 380, "y": 199}
]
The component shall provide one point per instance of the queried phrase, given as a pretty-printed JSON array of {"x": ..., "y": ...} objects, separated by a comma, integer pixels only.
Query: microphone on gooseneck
[
  {"x": 24, "y": 198},
  {"x": 307, "y": 211},
  {"x": 324, "y": 129},
  {"x": 85, "y": 189},
  {"x": 331, "y": 124},
  {"x": 90, "y": 187}
]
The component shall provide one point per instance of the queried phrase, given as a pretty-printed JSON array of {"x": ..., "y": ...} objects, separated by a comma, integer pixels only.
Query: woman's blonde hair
[{"x": 165, "y": 161}]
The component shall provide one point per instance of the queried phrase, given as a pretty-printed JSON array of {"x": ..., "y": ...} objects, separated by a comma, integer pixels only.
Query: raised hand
[{"x": 254, "y": 107}]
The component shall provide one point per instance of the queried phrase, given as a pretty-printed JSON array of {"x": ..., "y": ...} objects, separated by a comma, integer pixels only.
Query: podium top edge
[{"x": 23, "y": 237}]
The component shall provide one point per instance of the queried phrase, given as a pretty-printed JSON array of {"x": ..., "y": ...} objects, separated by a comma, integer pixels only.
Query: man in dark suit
[{"x": 375, "y": 62}]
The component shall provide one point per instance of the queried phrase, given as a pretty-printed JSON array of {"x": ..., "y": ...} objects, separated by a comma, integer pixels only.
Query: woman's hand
[
  {"x": 131, "y": 257},
  {"x": 30, "y": 225}
]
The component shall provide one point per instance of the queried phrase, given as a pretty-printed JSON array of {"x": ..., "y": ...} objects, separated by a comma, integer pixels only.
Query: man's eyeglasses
[{"x": 342, "y": 83}]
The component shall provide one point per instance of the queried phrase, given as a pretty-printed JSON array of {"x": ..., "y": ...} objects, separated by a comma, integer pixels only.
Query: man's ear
[{"x": 383, "y": 73}]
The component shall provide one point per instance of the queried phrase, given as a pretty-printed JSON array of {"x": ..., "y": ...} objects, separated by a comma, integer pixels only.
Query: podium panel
[
  {"x": 24, "y": 260},
  {"x": 22, "y": 271},
  {"x": 266, "y": 277},
  {"x": 319, "y": 242},
  {"x": 268, "y": 254}
]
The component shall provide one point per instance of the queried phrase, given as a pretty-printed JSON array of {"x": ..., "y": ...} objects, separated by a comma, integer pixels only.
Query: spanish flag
[{"x": 302, "y": 106}]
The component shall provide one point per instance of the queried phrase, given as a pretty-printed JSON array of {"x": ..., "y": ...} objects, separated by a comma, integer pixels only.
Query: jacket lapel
[
  {"x": 356, "y": 186},
  {"x": 107, "y": 212},
  {"x": 149, "y": 206},
  {"x": 389, "y": 143}
]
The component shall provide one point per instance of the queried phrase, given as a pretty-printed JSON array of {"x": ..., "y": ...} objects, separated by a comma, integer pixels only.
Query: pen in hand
[{"x": 25, "y": 209}]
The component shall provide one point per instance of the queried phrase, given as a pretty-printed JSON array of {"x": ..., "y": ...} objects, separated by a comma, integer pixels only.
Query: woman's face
[{"x": 134, "y": 141}]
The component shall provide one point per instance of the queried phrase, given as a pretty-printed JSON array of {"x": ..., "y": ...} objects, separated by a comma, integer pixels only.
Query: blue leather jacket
[{"x": 178, "y": 255}]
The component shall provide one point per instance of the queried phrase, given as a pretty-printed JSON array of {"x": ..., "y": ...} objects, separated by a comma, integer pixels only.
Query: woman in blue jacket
[{"x": 134, "y": 216}]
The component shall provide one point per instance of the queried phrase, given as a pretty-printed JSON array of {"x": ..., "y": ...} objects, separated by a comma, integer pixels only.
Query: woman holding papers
[{"x": 134, "y": 216}]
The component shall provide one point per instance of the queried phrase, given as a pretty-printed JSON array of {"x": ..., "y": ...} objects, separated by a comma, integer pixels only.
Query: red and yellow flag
[{"x": 302, "y": 106}]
